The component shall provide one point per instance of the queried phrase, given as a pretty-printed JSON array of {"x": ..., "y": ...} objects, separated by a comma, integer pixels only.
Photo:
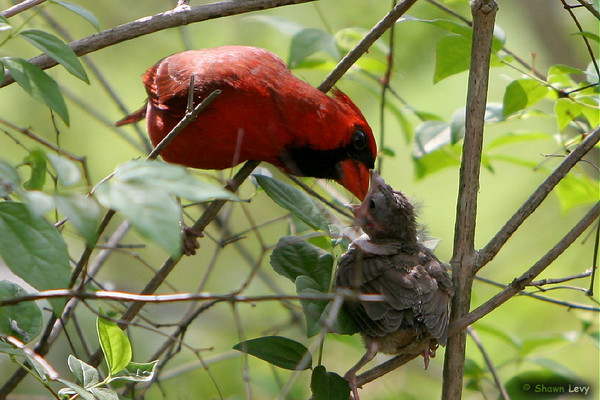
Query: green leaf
[
  {"x": 38, "y": 203},
  {"x": 587, "y": 34},
  {"x": 174, "y": 179},
  {"x": 293, "y": 257},
  {"x": 516, "y": 137},
  {"x": 559, "y": 76},
  {"x": 37, "y": 84},
  {"x": 309, "y": 41},
  {"x": 344, "y": 324},
  {"x": 432, "y": 151},
  {"x": 317, "y": 311},
  {"x": 67, "y": 171},
  {"x": 279, "y": 351},
  {"x": 283, "y": 25},
  {"x": 22, "y": 320},
  {"x": 9, "y": 179},
  {"x": 115, "y": 345},
  {"x": 328, "y": 385},
  {"x": 543, "y": 384},
  {"x": 313, "y": 309},
  {"x": 294, "y": 200},
  {"x": 56, "y": 49},
  {"x": 348, "y": 38},
  {"x": 137, "y": 372},
  {"x": 73, "y": 388},
  {"x": 36, "y": 159},
  {"x": 522, "y": 93},
  {"x": 153, "y": 212},
  {"x": 4, "y": 25},
  {"x": 85, "y": 373},
  {"x": 566, "y": 110},
  {"x": 83, "y": 213},
  {"x": 500, "y": 334},
  {"x": 104, "y": 393},
  {"x": 452, "y": 56},
  {"x": 34, "y": 250},
  {"x": 82, "y": 12},
  {"x": 576, "y": 190}
]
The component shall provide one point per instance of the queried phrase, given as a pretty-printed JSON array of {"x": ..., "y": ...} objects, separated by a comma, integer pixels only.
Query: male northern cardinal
[
  {"x": 389, "y": 261},
  {"x": 264, "y": 113}
]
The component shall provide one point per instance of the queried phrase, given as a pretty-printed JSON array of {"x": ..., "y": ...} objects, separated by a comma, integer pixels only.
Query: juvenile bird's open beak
[{"x": 354, "y": 177}]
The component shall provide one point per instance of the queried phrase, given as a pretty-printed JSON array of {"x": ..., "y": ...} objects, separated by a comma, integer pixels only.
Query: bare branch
[
  {"x": 489, "y": 363},
  {"x": 530, "y": 205},
  {"x": 370, "y": 38},
  {"x": 20, "y": 7},
  {"x": 147, "y": 25},
  {"x": 590, "y": 8},
  {"x": 463, "y": 260},
  {"x": 384, "y": 368},
  {"x": 521, "y": 282}
]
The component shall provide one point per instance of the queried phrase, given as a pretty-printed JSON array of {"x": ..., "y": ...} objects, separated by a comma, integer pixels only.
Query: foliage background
[{"x": 545, "y": 334}]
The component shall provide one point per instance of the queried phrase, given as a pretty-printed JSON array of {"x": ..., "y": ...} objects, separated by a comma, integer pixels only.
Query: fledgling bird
[
  {"x": 264, "y": 113},
  {"x": 388, "y": 260}
]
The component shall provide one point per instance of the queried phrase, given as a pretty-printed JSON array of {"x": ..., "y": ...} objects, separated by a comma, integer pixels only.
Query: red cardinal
[{"x": 264, "y": 113}]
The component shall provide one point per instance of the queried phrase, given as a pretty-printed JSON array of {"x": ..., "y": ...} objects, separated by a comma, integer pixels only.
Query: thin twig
[
  {"x": 185, "y": 121},
  {"x": 147, "y": 25},
  {"x": 521, "y": 282},
  {"x": 552, "y": 281},
  {"x": 536, "y": 198},
  {"x": 20, "y": 7},
  {"x": 568, "y": 304},
  {"x": 385, "y": 86},
  {"x": 463, "y": 259},
  {"x": 590, "y": 8},
  {"x": 489, "y": 363},
  {"x": 588, "y": 46},
  {"x": 363, "y": 46},
  {"x": 590, "y": 291}
]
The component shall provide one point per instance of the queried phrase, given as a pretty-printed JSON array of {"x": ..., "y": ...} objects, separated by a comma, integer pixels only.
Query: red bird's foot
[
  {"x": 351, "y": 378},
  {"x": 190, "y": 240}
]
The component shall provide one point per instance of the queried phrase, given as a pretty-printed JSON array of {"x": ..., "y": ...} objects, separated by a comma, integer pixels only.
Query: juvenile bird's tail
[{"x": 133, "y": 117}]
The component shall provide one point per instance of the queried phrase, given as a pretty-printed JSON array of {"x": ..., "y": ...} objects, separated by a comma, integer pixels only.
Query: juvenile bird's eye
[
  {"x": 372, "y": 205},
  {"x": 359, "y": 141}
]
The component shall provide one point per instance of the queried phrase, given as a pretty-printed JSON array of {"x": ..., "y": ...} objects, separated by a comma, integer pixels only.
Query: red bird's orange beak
[{"x": 355, "y": 177}]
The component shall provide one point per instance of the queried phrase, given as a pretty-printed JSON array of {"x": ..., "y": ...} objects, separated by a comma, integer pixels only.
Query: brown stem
[
  {"x": 463, "y": 260},
  {"x": 536, "y": 198},
  {"x": 168, "y": 19},
  {"x": 489, "y": 362},
  {"x": 362, "y": 47},
  {"x": 20, "y": 7},
  {"x": 518, "y": 284}
]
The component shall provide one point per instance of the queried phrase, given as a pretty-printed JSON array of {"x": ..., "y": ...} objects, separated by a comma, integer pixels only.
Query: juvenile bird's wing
[{"x": 410, "y": 290}]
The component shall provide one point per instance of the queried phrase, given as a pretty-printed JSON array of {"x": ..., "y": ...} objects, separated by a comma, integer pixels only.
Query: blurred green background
[{"x": 539, "y": 31}]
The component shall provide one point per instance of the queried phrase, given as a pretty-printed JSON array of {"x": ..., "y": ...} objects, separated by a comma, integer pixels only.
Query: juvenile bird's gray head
[{"x": 386, "y": 214}]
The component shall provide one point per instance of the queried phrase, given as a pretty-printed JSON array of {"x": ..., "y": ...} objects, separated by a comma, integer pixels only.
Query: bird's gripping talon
[{"x": 190, "y": 240}]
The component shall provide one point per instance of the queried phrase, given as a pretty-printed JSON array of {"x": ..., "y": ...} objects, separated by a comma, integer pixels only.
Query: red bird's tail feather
[{"x": 133, "y": 117}]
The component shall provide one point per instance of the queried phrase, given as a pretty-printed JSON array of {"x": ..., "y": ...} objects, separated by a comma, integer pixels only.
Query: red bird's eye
[{"x": 359, "y": 140}]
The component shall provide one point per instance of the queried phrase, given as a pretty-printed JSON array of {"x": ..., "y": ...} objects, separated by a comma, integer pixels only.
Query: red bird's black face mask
[{"x": 263, "y": 113}]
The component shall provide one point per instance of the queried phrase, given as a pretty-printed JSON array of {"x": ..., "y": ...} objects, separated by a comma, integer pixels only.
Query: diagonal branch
[
  {"x": 536, "y": 198},
  {"x": 463, "y": 260},
  {"x": 147, "y": 25},
  {"x": 518, "y": 284},
  {"x": 366, "y": 42}
]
